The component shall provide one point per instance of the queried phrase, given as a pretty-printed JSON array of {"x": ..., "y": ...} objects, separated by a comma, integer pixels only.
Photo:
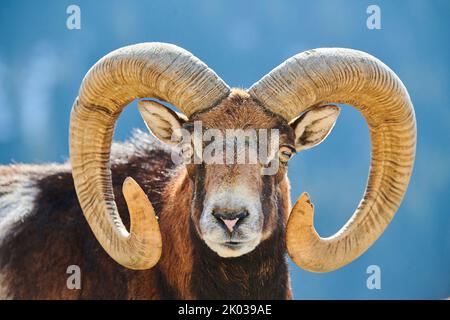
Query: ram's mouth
[
  {"x": 233, "y": 244},
  {"x": 239, "y": 244},
  {"x": 230, "y": 244}
]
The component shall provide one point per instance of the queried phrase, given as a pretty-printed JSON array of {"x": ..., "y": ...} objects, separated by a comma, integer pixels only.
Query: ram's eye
[{"x": 285, "y": 154}]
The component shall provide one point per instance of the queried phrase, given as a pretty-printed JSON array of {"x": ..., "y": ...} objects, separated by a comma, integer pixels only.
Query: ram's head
[{"x": 234, "y": 203}]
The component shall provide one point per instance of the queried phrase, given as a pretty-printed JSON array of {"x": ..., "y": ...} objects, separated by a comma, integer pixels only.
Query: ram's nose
[{"x": 230, "y": 218}]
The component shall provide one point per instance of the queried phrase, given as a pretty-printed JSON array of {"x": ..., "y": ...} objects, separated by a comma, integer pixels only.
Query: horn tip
[
  {"x": 305, "y": 198},
  {"x": 130, "y": 187}
]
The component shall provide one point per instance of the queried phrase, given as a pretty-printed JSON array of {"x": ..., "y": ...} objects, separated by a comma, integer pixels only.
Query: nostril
[
  {"x": 229, "y": 214},
  {"x": 242, "y": 214}
]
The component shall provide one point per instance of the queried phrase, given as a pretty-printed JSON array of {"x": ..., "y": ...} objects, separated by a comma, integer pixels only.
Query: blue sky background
[{"x": 42, "y": 64}]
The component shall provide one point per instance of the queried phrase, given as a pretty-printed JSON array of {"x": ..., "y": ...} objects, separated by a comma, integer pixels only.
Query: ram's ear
[
  {"x": 313, "y": 126},
  {"x": 162, "y": 122}
]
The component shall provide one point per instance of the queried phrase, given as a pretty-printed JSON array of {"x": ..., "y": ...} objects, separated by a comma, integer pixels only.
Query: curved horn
[
  {"x": 322, "y": 76},
  {"x": 154, "y": 70}
]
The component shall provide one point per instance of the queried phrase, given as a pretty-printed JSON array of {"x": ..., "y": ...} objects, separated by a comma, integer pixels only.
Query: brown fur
[{"x": 36, "y": 252}]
